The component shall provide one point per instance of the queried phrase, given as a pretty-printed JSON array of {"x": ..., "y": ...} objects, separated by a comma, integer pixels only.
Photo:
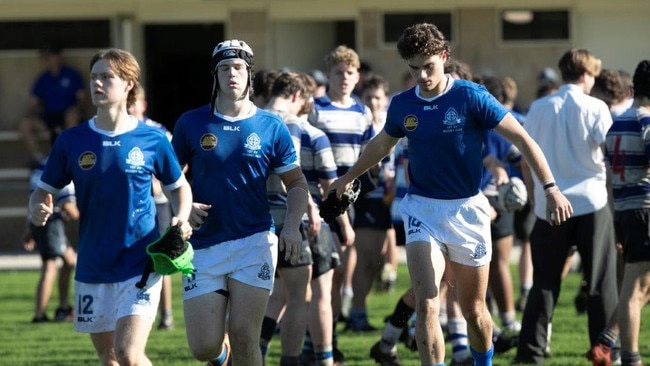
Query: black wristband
[{"x": 549, "y": 185}]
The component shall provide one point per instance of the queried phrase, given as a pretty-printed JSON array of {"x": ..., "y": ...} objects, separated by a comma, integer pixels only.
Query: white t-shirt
[{"x": 570, "y": 127}]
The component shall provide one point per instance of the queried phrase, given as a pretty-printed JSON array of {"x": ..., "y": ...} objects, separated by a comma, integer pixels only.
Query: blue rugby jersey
[
  {"x": 112, "y": 174},
  {"x": 58, "y": 92},
  {"x": 445, "y": 137},
  {"x": 230, "y": 160}
]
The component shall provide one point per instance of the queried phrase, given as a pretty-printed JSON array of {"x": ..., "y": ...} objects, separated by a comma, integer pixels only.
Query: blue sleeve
[
  {"x": 179, "y": 142},
  {"x": 489, "y": 111},
  {"x": 168, "y": 170},
  {"x": 392, "y": 126},
  {"x": 56, "y": 173}
]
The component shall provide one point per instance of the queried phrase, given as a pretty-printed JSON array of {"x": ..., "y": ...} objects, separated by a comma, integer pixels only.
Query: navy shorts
[
  {"x": 524, "y": 222},
  {"x": 503, "y": 225},
  {"x": 51, "y": 240},
  {"x": 305, "y": 258},
  {"x": 632, "y": 229},
  {"x": 323, "y": 251},
  {"x": 372, "y": 213}
]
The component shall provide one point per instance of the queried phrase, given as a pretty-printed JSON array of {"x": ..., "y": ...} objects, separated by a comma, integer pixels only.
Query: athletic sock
[
  {"x": 482, "y": 358},
  {"x": 307, "y": 346},
  {"x": 630, "y": 358},
  {"x": 222, "y": 356},
  {"x": 389, "y": 337},
  {"x": 324, "y": 356},
  {"x": 401, "y": 314},
  {"x": 458, "y": 339},
  {"x": 608, "y": 337}
]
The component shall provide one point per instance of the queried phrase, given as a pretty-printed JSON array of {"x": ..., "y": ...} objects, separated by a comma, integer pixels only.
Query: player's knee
[{"x": 128, "y": 356}]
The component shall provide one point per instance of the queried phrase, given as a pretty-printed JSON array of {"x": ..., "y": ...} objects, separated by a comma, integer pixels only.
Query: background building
[{"x": 173, "y": 40}]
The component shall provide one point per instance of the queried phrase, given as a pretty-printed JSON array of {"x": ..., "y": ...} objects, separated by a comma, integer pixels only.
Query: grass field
[{"x": 24, "y": 343}]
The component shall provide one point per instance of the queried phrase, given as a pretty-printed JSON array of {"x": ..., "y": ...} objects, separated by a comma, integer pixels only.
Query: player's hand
[
  {"x": 291, "y": 243},
  {"x": 186, "y": 228},
  {"x": 43, "y": 211},
  {"x": 198, "y": 214},
  {"x": 558, "y": 207}
]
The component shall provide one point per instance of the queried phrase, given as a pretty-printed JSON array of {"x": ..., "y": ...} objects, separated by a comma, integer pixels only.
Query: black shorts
[
  {"x": 324, "y": 253},
  {"x": 400, "y": 234},
  {"x": 372, "y": 213},
  {"x": 503, "y": 225},
  {"x": 632, "y": 229},
  {"x": 305, "y": 258},
  {"x": 524, "y": 222},
  {"x": 51, "y": 240}
]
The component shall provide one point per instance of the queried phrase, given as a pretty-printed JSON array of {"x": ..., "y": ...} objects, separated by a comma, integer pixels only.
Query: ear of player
[{"x": 333, "y": 207}]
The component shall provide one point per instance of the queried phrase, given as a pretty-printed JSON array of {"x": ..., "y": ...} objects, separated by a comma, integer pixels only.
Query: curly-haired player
[{"x": 444, "y": 213}]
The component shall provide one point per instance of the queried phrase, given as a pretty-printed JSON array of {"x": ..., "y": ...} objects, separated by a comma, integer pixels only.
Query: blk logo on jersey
[
  {"x": 208, "y": 142},
  {"x": 87, "y": 160},
  {"x": 110, "y": 143},
  {"x": 410, "y": 122},
  {"x": 231, "y": 128}
]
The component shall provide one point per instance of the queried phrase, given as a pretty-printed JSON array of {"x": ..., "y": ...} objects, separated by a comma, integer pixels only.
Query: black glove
[{"x": 333, "y": 207}]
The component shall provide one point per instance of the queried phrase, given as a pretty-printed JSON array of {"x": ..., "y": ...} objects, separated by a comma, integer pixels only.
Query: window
[
  {"x": 526, "y": 25},
  {"x": 395, "y": 23},
  {"x": 65, "y": 34}
]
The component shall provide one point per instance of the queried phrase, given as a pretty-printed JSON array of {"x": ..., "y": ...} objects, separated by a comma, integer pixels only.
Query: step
[
  {"x": 13, "y": 153},
  {"x": 13, "y": 224}
]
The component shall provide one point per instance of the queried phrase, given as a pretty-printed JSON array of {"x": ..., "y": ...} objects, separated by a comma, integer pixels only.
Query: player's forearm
[
  {"x": 375, "y": 151},
  {"x": 535, "y": 159},
  {"x": 181, "y": 200},
  {"x": 297, "y": 204}
]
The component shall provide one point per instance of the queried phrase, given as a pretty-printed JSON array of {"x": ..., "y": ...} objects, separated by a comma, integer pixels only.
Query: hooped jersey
[
  {"x": 230, "y": 160},
  {"x": 112, "y": 173},
  {"x": 349, "y": 128},
  {"x": 445, "y": 137},
  {"x": 628, "y": 153}
]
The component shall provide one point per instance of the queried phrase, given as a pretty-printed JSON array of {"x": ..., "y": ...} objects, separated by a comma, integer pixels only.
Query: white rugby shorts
[{"x": 460, "y": 227}]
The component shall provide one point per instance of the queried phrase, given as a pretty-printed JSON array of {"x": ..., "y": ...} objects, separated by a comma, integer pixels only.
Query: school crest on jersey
[
  {"x": 410, "y": 122},
  {"x": 208, "y": 142},
  {"x": 87, "y": 160},
  {"x": 253, "y": 145},
  {"x": 135, "y": 158},
  {"x": 452, "y": 117}
]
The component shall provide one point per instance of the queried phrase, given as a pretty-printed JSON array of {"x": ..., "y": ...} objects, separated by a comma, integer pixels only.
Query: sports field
[{"x": 24, "y": 343}]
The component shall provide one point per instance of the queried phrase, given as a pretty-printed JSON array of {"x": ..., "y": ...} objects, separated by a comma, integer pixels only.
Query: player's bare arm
[
  {"x": 380, "y": 146},
  {"x": 181, "y": 200},
  {"x": 297, "y": 199}
]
